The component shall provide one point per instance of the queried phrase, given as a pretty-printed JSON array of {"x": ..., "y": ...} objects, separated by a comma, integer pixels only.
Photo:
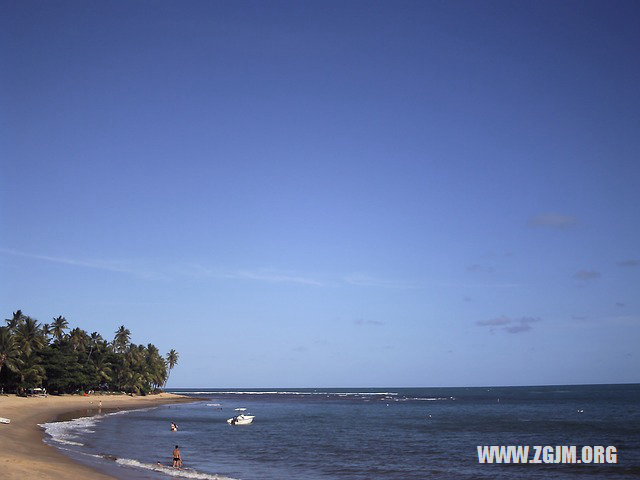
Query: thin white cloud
[
  {"x": 260, "y": 275},
  {"x": 272, "y": 277},
  {"x": 479, "y": 285},
  {"x": 362, "y": 280},
  {"x": 106, "y": 265},
  {"x": 194, "y": 270}
]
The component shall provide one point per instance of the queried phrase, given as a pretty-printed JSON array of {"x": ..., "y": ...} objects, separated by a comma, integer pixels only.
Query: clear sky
[{"x": 328, "y": 193}]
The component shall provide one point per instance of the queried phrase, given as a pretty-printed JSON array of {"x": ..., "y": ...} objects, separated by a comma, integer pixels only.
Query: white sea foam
[
  {"x": 68, "y": 432},
  {"x": 427, "y": 399},
  {"x": 172, "y": 472},
  {"x": 122, "y": 412},
  {"x": 342, "y": 394}
]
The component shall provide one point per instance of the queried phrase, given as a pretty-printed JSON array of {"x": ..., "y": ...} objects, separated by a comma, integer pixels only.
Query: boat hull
[{"x": 241, "y": 420}]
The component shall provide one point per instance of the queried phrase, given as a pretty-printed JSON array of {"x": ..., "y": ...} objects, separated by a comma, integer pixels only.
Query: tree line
[{"x": 51, "y": 356}]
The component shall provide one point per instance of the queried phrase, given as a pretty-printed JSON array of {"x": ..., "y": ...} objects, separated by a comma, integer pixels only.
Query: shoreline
[{"x": 23, "y": 452}]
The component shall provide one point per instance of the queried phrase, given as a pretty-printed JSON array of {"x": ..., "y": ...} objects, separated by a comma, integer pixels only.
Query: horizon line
[{"x": 388, "y": 387}]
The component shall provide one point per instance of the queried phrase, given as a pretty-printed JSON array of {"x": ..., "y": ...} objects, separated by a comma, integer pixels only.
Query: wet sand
[{"x": 23, "y": 454}]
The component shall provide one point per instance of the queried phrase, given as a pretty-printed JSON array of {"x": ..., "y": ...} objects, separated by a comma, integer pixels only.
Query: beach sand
[{"x": 23, "y": 454}]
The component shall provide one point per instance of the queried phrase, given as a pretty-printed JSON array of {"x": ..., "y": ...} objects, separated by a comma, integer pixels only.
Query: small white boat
[
  {"x": 241, "y": 418},
  {"x": 4, "y": 420}
]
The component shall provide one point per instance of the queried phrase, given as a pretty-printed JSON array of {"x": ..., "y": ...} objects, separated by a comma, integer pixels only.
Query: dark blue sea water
[{"x": 358, "y": 434}]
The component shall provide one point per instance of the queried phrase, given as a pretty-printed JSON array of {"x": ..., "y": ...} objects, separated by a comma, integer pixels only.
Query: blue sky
[{"x": 329, "y": 193}]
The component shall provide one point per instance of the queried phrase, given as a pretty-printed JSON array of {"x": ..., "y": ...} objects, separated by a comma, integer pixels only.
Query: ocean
[{"x": 362, "y": 433}]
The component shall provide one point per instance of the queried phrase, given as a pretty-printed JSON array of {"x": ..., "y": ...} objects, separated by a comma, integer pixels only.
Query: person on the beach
[{"x": 177, "y": 458}]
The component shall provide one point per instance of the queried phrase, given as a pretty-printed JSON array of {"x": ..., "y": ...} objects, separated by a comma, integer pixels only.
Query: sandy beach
[{"x": 23, "y": 454}]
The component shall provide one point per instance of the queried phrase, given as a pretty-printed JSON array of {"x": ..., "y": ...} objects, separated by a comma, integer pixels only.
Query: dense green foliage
[{"x": 34, "y": 355}]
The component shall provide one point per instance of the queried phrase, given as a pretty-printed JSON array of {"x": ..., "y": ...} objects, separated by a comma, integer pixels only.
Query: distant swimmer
[
  {"x": 177, "y": 458},
  {"x": 174, "y": 427}
]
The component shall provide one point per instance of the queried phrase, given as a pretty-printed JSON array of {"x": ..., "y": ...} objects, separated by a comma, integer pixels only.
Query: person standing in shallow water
[{"x": 177, "y": 458}]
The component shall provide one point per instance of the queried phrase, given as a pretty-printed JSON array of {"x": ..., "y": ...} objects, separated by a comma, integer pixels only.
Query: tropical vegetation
[{"x": 64, "y": 360}]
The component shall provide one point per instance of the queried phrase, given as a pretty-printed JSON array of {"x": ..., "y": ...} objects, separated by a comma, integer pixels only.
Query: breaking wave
[
  {"x": 170, "y": 471},
  {"x": 68, "y": 432},
  {"x": 275, "y": 392}
]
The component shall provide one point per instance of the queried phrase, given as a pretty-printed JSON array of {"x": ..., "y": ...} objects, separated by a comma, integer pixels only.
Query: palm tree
[
  {"x": 9, "y": 351},
  {"x": 78, "y": 339},
  {"x": 156, "y": 371},
  {"x": 103, "y": 367},
  {"x": 134, "y": 382},
  {"x": 58, "y": 327},
  {"x": 134, "y": 372},
  {"x": 30, "y": 340},
  {"x": 121, "y": 340},
  {"x": 29, "y": 337},
  {"x": 31, "y": 372},
  {"x": 46, "y": 330},
  {"x": 27, "y": 350},
  {"x": 172, "y": 361},
  {"x": 14, "y": 321},
  {"x": 94, "y": 341}
]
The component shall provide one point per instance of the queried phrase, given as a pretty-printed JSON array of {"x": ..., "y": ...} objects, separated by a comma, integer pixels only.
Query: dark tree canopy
[{"x": 34, "y": 355}]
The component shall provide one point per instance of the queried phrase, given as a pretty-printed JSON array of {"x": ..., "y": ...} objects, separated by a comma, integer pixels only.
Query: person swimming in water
[{"x": 174, "y": 427}]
